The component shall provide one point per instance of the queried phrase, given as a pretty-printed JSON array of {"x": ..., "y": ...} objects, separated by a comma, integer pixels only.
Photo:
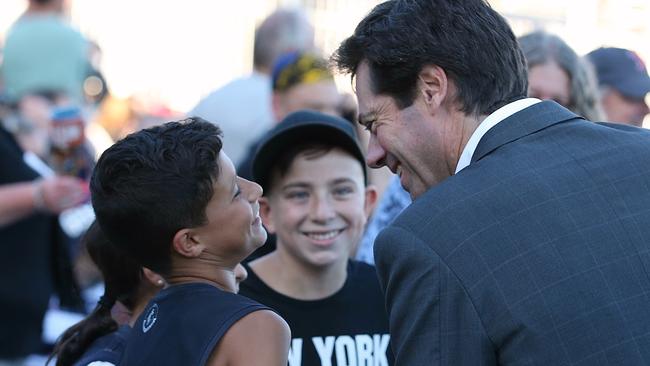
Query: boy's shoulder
[{"x": 198, "y": 313}]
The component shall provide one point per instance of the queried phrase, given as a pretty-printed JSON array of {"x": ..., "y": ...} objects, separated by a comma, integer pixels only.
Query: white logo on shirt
[
  {"x": 150, "y": 318},
  {"x": 357, "y": 350}
]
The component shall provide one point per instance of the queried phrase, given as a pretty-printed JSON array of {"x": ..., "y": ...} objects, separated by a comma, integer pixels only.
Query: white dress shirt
[{"x": 490, "y": 121}]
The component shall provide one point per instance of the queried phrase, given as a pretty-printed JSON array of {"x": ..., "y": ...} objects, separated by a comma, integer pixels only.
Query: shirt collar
[{"x": 490, "y": 121}]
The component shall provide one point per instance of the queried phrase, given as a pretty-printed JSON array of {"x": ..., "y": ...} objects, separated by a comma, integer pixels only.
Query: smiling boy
[
  {"x": 317, "y": 202},
  {"x": 171, "y": 199}
]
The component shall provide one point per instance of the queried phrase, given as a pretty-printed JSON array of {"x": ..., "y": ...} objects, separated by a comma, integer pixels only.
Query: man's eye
[{"x": 368, "y": 125}]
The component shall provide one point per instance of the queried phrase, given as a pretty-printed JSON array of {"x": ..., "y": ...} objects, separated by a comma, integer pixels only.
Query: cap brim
[
  {"x": 636, "y": 88},
  {"x": 274, "y": 145}
]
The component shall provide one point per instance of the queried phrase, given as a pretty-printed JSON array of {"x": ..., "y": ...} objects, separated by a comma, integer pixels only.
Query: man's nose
[{"x": 376, "y": 156}]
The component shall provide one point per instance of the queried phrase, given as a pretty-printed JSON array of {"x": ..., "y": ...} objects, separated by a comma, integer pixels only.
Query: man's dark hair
[
  {"x": 467, "y": 38},
  {"x": 153, "y": 183}
]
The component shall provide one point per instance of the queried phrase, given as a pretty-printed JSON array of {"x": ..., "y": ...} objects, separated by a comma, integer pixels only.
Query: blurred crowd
[{"x": 57, "y": 115}]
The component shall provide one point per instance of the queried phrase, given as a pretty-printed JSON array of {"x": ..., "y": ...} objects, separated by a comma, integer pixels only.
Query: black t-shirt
[
  {"x": 25, "y": 263},
  {"x": 348, "y": 328},
  {"x": 183, "y": 324}
]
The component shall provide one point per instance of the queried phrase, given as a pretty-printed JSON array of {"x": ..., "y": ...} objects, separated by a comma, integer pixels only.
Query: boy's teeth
[
  {"x": 399, "y": 170},
  {"x": 323, "y": 236}
]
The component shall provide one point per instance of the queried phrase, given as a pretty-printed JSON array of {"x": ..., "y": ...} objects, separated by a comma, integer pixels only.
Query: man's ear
[
  {"x": 371, "y": 200},
  {"x": 265, "y": 214},
  {"x": 186, "y": 244},
  {"x": 433, "y": 84}
]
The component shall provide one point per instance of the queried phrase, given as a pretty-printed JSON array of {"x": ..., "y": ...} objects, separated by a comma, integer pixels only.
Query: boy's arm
[{"x": 261, "y": 338}]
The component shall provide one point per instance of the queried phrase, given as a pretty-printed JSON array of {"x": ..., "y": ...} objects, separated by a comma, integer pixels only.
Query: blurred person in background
[
  {"x": 624, "y": 83},
  {"x": 44, "y": 53},
  {"x": 300, "y": 80},
  {"x": 557, "y": 73},
  {"x": 128, "y": 287},
  {"x": 29, "y": 122},
  {"x": 35, "y": 262},
  {"x": 242, "y": 108}
]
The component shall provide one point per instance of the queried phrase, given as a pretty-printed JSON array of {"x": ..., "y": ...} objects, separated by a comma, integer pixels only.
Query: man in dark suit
[{"x": 528, "y": 241}]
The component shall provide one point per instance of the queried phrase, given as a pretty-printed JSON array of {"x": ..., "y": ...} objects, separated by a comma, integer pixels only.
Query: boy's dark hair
[
  {"x": 153, "y": 183},
  {"x": 122, "y": 277},
  {"x": 467, "y": 38}
]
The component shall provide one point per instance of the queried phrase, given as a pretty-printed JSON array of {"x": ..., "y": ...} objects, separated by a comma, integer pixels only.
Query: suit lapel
[{"x": 530, "y": 120}]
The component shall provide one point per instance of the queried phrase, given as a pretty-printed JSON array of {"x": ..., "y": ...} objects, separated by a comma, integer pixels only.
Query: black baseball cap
[
  {"x": 622, "y": 70},
  {"x": 304, "y": 127}
]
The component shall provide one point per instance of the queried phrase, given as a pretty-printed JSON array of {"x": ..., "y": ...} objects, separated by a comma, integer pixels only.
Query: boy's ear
[
  {"x": 371, "y": 200},
  {"x": 265, "y": 214},
  {"x": 152, "y": 277},
  {"x": 186, "y": 244}
]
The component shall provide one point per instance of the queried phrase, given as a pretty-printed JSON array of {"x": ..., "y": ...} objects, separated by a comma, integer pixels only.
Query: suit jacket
[{"x": 537, "y": 253}]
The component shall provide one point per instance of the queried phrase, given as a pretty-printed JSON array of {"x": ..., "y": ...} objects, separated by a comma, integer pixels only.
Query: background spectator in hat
[
  {"x": 624, "y": 83},
  {"x": 300, "y": 80},
  {"x": 242, "y": 108}
]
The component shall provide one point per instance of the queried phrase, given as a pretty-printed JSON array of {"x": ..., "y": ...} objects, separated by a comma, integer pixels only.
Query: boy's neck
[
  {"x": 295, "y": 279},
  {"x": 199, "y": 270}
]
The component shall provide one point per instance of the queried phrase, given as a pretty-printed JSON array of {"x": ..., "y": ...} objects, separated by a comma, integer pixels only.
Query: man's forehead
[
  {"x": 363, "y": 89},
  {"x": 362, "y": 75}
]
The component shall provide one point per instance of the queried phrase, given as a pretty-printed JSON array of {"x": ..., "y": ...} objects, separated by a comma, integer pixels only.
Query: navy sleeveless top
[
  {"x": 108, "y": 348},
  {"x": 183, "y": 324}
]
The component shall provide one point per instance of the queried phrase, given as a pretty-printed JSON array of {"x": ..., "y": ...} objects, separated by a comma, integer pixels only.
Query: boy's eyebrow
[
  {"x": 343, "y": 180},
  {"x": 307, "y": 185},
  {"x": 296, "y": 185}
]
